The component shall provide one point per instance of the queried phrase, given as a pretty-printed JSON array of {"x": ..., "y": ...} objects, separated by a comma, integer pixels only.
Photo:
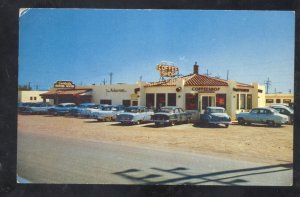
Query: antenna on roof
[
  {"x": 227, "y": 74},
  {"x": 268, "y": 84},
  {"x": 207, "y": 74}
]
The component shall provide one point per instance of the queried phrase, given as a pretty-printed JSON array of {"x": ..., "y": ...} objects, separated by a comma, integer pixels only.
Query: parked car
[
  {"x": 215, "y": 115},
  {"x": 265, "y": 115},
  {"x": 36, "y": 108},
  {"x": 62, "y": 109},
  {"x": 90, "y": 111},
  {"x": 22, "y": 105},
  {"x": 286, "y": 111},
  {"x": 81, "y": 108},
  {"x": 170, "y": 115},
  {"x": 108, "y": 113},
  {"x": 135, "y": 114}
]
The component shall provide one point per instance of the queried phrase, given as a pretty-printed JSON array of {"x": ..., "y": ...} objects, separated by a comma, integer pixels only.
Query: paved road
[{"x": 50, "y": 159}]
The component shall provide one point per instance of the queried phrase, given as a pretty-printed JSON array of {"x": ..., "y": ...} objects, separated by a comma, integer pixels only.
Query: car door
[
  {"x": 147, "y": 114},
  {"x": 263, "y": 115},
  {"x": 252, "y": 116}
]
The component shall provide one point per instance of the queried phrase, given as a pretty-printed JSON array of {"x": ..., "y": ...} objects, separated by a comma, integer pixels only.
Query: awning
[{"x": 70, "y": 92}]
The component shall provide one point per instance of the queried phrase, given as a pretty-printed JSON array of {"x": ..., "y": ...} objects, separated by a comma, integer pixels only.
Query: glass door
[{"x": 206, "y": 101}]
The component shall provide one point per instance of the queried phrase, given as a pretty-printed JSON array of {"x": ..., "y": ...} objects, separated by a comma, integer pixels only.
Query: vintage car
[
  {"x": 282, "y": 109},
  {"x": 22, "y": 105},
  {"x": 81, "y": 109},
  {"x": 265, "y": 115},
  {"x": 170, "y": 115},
  {"x": 108, "y": 113},
  {"x": 215, "y": 115},
  {"x": 135, "y": 115},
  {"x": 90, "y": 111},
  {"x": 37, "y": 108},
  {"x": 61, "y": 109}
]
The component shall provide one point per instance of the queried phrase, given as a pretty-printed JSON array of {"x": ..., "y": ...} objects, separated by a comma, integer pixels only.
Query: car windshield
[
  {"x": 107, "y": 108},
  {"x": 132, "y": 110},
  {"x": 274, "y": 111},
  {"x": 215, "y": 110},
  {"x": 166, "y": 110}
]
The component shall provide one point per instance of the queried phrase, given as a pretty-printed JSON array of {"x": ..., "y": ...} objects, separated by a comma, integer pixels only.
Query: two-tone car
[
  {"x": 81, "y": 109},
  {"x": 61, "y": 109},
  {"x": 135, "y": 115},
  {"x": 108, "y": 113},
  {"x": 264, "y": 115},
  {"x": 215, "y": 116},
  {"x": 282, "y": 109},
  {"x": 170, "y": 115},
  {"x": 36, "y": 108}
]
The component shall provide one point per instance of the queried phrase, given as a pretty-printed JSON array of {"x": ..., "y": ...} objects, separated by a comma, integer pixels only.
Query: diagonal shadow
[{"x": 182, "y": 175}]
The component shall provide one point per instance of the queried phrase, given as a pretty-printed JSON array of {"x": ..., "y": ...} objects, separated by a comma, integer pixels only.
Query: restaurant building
[{"x": 193, "y": 93}]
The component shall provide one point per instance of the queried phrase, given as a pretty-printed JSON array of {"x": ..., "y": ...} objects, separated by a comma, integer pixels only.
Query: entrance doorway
[{"x": 206, "y": 101}]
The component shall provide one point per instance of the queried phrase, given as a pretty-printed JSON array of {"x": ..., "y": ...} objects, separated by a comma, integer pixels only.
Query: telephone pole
[
  {"x": 207, "y": 74},
  {"x": 110, "y": 77},
  {"x": 268, "y": 84},
  {"x": 104, "y": 82},
  {"x": 227, "y": 74}
]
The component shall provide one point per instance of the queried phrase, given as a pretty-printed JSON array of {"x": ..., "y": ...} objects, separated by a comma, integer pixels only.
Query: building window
[
  {"x": 278, "y": 100},
  {"x": 160, "y": 100},
  {"x": 34, "y": 98},
  {"x": 243, "y": 101},
  {"x": 191, "y": 101},
  {"x": 269, "y": 100},
  {"x": 287, "y": 101},
  {"x": 134, "y": 103},
  {"x": 126, "y": 103},
  {"x": 31, "y": 98},
  {"x": 249, "y": 101},
  {"x": 221, "y": 100},
  {"x": 172, "y": 99},
  {"x": 150, "y": 100},
  {"x": 237, "y": 101},
  {"x": 105, "y": 101}
]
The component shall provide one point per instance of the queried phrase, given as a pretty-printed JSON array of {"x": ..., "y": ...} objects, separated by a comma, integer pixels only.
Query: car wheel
[
  {"x": 138, "y": 122},
  {"x": 157, "y": 124},
  {"x": 241, "y": 121},
  {"x": 172, "y": 123},
  {"x": 270, "y": 123},
  {"x": 226, "y": 125}
]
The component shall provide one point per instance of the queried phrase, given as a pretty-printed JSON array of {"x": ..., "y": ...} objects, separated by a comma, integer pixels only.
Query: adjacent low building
[
  {"x": 279, "y": 98},
  {"x": 30, "y": 96},
  {"x": 193, "y": 92}
]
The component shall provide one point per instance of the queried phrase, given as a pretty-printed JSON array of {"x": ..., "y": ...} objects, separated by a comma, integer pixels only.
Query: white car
[
  {"x": 108, "y": 113},
  {"x": 265, "y": 115}
]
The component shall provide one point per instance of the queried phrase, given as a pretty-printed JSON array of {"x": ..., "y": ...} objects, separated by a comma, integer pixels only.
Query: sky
[{"x": 85, "y": 45}]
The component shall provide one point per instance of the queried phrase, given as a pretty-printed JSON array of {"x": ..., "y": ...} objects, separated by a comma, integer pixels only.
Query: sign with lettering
[
  {"x": 64, "y": 84},
  {"x": 115, "y": 90},
  {"x": 167, "y": 70},
  {"x": 205, "y": 89},
  {"x": 240, "y": 90}
]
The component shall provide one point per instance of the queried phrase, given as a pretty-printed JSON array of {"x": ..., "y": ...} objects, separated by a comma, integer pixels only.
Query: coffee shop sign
[
  {"x": 167, "y": 70},
  {"x": 205, "y": 89},
  {"x": 115, "y": 90},
  {"x": 64, "y": 84}
]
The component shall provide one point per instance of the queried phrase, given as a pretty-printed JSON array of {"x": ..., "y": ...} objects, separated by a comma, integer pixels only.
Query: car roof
[
  {"x": 67, "y": 104},
  {"x": 215, "y": 107},
  {"x": 269, "y": 108},
  {"x": 136, "y": 107},
  {"x": 169, "y": 107}
]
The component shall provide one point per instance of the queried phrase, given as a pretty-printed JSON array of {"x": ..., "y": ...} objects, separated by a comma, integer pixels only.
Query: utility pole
[
  {"x": 104, "y": 82},
  {"x": 268, "y": 84},
  {"x": 36, "y": 87},
  {"x": 141, "y": 77},
  {"x": 110, "y": 77},
  {"x": 207, "y": 74},
  {"x": 29, "y": 85},
  {"x": 227, "y": 74},
  {"x": 275, "y": 91}
]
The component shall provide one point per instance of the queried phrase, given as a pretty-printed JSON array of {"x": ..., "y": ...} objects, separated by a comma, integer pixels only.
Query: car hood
[
  {"x": 128, "y": 113},
  {"x": 162, "y": 113},
  {"x": 220, "y": 115}
]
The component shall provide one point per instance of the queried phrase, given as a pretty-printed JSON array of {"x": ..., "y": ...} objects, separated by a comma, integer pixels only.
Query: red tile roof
[
  {"x": 65, "y": 92},
  {"x": 191, "y": 80}
]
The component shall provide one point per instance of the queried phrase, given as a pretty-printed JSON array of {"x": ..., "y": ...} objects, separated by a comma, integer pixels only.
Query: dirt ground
[{"x": 256, "y": 143}]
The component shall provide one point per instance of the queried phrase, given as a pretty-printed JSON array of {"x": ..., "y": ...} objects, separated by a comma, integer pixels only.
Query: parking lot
[{"x": 256, "y": 143}]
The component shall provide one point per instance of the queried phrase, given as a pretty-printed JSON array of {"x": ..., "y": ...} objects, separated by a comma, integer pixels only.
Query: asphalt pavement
[{"x": 51, "y": 159}]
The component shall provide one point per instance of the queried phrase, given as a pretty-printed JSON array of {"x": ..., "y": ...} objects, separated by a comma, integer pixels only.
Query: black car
[{"x": 170, "y": 116}]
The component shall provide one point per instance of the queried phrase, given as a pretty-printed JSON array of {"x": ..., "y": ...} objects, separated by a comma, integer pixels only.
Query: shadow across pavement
[{"x": 181, "y": 175}]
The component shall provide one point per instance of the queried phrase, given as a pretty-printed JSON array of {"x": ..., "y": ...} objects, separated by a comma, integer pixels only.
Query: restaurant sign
[
  {"x": 167, "y": 70},
  {"x": 115, "y": 90},
  {"x": 64, "y": 84},
  {"x": 205, "y": 89}
]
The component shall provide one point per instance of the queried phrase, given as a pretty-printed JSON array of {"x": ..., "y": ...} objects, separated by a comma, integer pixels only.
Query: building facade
[
  {"x": 192, "y": 92},
  {"x": 30, "y": 96},
  {"x": 279, "y": 98}
]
